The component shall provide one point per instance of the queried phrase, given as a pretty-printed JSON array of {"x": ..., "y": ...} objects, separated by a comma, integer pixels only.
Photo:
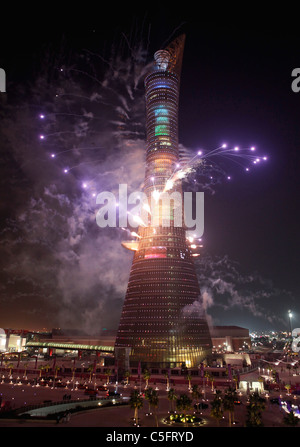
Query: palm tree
[
  {"x": 136, "y": 402},
  {"x": 147, "y": 376},
  {"x": 172, "y": 397},
  {"x": 196, "y": 394},
  {"x": 291, "y": 419},
  {"x": 90, "y": 370},
  {"x": 47, "y": 367},
  {"x": 207, "y": 375},
  {"x": 25, "y": 369},
  {"x": 274, "y": 373},
  {"x": 152, "y": 397},
  {"x": 228, "y": 404},
  {"x": 127, "y": 375},
  {"x": 216, "y": 407},
  {"x": 236, "y": 380},
  {"x": 254, "y": 410},
  {"x": 41, "y": 367},
  {"x": 10, "y": 367},
  {"x": 57, "y": 368},
  {"x": 154, "y": 403},
  {"x": 148, "y": 394},
  {"x": 73, "y": 374},
  {"x": 167, "y": 377},
  {"x": 108, "y": 374},
  {"x": 184, "y": 404},
  {"x": 189, "y": 378},
  {"x": 269, "y": 368}
]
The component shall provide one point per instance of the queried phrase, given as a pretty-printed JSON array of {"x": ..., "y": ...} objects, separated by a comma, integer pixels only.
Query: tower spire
[{"x": 175, "y": 49}]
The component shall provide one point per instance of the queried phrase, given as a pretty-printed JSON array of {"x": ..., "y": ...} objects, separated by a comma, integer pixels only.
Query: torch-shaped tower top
[{"x": 171, "y": 55}]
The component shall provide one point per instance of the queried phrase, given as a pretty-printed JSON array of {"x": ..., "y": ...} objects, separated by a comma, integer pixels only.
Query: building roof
[{"x": 221, "y": 331}]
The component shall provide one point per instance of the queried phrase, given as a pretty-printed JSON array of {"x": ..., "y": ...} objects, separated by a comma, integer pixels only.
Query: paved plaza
[{"x": 19, "y": 394}]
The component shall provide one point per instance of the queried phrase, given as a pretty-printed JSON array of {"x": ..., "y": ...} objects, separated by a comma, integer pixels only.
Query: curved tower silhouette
[{"x": 162, "y": 322}]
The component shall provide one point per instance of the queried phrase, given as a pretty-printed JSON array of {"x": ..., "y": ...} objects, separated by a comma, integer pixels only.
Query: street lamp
[{"x": 290, "y": 320}]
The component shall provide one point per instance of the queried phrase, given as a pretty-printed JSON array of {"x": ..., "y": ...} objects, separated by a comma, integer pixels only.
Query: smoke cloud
[
  {"x": 227, "y": 292},
  {"x": 77, "y": 130}
]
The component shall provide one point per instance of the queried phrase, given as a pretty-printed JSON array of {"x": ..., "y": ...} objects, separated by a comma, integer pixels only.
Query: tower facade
[{"x": 162, "y": 321}]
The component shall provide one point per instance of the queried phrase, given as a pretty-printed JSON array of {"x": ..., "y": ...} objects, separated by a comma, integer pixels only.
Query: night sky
[{"x": 58, "y": 269}]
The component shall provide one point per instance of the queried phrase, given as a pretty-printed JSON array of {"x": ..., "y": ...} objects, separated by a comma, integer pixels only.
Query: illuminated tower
[{"x": 162, "y": 321}]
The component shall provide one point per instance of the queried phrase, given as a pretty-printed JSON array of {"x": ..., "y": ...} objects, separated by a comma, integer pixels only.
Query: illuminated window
[
  {"x": 161, "y": 129},
  {"x": 161, "y": 111},
  {"x": 162, "y": 119}
]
